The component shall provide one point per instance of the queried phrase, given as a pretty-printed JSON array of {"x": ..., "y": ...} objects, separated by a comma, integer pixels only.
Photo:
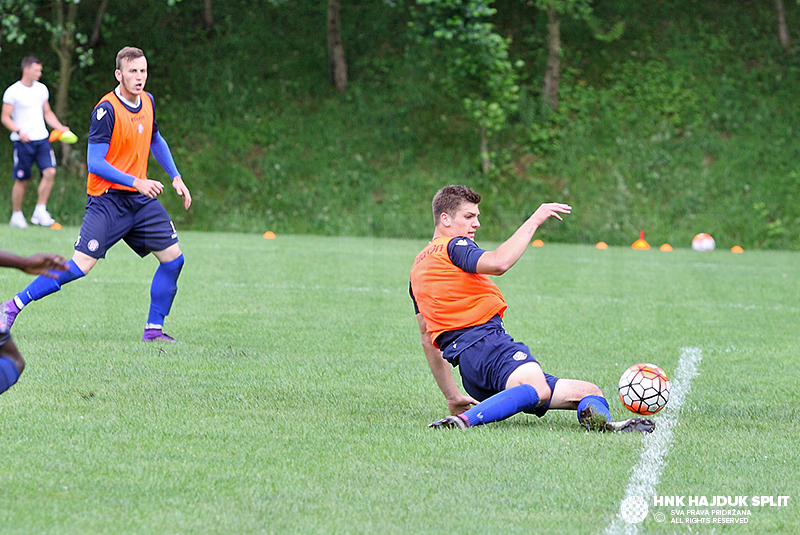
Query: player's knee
[
  {"x": 544, "y": 392},
  {"x": 592, "y": 390}
]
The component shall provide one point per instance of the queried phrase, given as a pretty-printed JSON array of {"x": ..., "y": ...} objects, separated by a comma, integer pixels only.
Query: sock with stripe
[{"x": 43, "y": 286}]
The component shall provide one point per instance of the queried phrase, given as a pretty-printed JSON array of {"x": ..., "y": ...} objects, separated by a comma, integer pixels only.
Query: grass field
[{"x": 299, "y": 399}]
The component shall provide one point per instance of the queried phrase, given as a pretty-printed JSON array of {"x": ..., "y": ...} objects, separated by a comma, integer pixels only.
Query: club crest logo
[
  {"x": 93, "y": 245},
  {"x": 633, "y": 509}
]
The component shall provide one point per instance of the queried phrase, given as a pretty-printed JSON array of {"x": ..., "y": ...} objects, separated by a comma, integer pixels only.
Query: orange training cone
[
  {"x": 737, "y": 249},
  {"x": 640, "y": 243},
  {"x": 666, "y": 247},
  {"x": 602, "y": 245},
  {"x": 269, "y": 235},
  {"x": 537, "y": 243}
]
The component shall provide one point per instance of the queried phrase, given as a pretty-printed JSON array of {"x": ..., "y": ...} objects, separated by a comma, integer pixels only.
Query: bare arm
[
  {"x": 440, "y": 368},
  {"x": 507, "y": 253},
  {"x": 38, "y": 264},
  {"x": 51, "y": 119},
  {"x": 5, "y": 117}
]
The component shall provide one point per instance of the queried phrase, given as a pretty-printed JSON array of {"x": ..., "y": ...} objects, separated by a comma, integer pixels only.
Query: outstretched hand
[
  {"x": 42, "y": 264},
  {"x": 551, "y": 209},
  {"x": 460, "y": 404}
]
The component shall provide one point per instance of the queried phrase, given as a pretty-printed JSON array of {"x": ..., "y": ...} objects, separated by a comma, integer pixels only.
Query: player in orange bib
[
  {"x": 122, "y": 202},
  {"x": 460, "y": 310}
]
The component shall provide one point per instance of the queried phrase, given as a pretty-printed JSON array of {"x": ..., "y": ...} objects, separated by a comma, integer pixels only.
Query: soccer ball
[
  {"x": 644, "y": 388},
  {"x": 703, "y": 242}
]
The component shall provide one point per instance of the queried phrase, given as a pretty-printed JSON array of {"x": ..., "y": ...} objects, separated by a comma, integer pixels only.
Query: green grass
[{"x": 299, "y": 398}]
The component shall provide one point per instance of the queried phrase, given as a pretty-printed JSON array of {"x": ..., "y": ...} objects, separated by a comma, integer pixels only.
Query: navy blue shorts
[
  {"x": 26, "y": 153},
  {"x": 487, "y": 364},
  {"x": 125, "y": 215}
]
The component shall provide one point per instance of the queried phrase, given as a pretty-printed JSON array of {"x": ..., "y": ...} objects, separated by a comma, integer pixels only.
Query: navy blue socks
[
  {"x": 502, "y": 405},
  {"x": 163, "y": 290}
]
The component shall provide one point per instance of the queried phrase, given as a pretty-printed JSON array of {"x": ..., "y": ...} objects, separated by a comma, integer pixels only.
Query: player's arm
[
  {"x": 98, "y": 165},
  {"x": 507, "y": 253},
  {"x": 456, "y": 401},
  {"x": 38, "y": 264},
  {"x": 51, "y": 119},
  {"x": 8, "y": 122},
  {"x": 162, "y": 154}
]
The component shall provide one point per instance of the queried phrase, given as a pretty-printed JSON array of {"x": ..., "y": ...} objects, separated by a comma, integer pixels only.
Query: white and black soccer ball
[
  {"x": 703, "y": 243},
  {"x": 644, "y": 388}
]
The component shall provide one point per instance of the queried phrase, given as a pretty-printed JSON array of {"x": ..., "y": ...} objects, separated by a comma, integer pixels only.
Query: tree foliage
[{"x": 476, "y": 63}]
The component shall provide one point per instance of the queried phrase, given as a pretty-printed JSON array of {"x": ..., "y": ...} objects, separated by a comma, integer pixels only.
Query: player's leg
[
  {"x": 46, "y": 160},
  {"x": 79, "y": 265},
  {"x": 21, "y": 172},
  {"x": 592, "y": 408},
  {"x": 154, "y": 232},
  {"x": 162, "y": 292},
  {"x": 504, "y": 371},
  {"x": 11, "y": 362},
  {"x": 104, "y": 223},
  {"x": 17, "y": 193}
]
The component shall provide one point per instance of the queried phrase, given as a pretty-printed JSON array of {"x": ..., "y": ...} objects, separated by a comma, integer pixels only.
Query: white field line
[{"x": 647, "y": 473}]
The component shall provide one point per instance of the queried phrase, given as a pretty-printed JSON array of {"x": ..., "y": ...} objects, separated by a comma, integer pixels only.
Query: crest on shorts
[{"x": 520, "y": 355}]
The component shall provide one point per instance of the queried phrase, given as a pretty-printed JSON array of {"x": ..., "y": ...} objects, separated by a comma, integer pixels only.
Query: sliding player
[{"x": 460, "y": 310}]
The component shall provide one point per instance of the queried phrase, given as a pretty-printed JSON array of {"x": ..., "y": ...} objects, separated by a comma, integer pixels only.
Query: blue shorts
[
  {"x": 26, "y": 153},
  {"x": 487, "y": 364},
  {"x": 125, "y": 215}
]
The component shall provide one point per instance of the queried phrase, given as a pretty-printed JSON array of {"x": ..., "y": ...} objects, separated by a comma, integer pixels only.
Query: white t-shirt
[{"x": 28, "y": 111}]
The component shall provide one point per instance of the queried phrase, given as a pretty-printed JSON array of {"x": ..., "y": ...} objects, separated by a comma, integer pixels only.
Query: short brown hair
[
  {"x": 27, "y": 61},
  {"x": 128, "y": 53},
  {"x": 450, "y": 198}
]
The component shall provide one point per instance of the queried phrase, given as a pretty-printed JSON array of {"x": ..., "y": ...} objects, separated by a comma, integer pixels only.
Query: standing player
[
  {"x": 26, "y": 108},
  {"x": 460, "y": 310},
  {"x": 122, "y": 203},
  {"x": 11, "y": 362}
]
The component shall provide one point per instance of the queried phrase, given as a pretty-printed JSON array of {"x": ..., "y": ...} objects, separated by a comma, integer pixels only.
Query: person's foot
[
  {"x": 42, "y": 217},
  {"x": 156, "y": 335},
  {"x": 18, "y": 220},
  {"x": 594, "y": 421},
  {"x": 8, "y": 313},
  {"x": 456, "y": 422},
  {"x": 634, "y": 425}
]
